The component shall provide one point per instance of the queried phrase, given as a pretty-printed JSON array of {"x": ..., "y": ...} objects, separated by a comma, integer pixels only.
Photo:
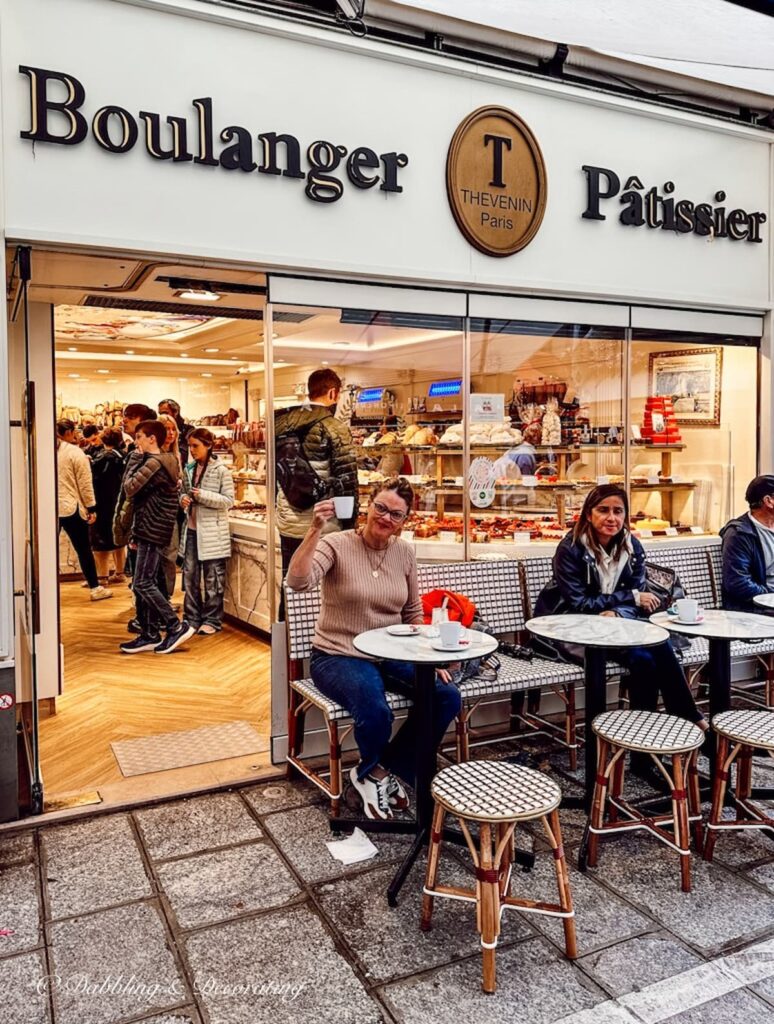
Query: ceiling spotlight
[
  {"x": 233, "y": 357},
  {"x": 212, "y": 350},
  {"x": 182, "y": 379},
  {"x": 103, "y": 371},
  {"x": 324, "y": 362},
  {"x": 129, "y": 351},
  {"x": 183, "y": 355},
  {"x": 198, "y": 294},
  {"x": 206, "y": 375},
  {"x": 72, "y": 349},
  {"x": 279, "y": 360},
  {"x": 73, "y": 374}
]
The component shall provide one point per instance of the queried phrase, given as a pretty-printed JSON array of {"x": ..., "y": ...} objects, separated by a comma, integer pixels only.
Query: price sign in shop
[{"x": 481, "y": 482}]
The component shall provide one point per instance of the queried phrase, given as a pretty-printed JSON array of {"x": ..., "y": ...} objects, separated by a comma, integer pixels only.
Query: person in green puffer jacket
[{"x": 315, "y": 459}]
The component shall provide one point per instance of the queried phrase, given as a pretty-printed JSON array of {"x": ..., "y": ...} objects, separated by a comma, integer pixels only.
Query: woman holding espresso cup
[
  {"x": 368, "y": 580},
  {"x": 599, "y": 569}
]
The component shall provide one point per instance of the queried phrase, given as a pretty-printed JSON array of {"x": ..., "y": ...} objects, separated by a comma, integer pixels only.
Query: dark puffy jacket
[
  {"x": 576, "y": 586},
  {"x": 328, "y": 448},
  {"x": 107, "y": 470},
  {"x": 744, "y": 566},
  {"x": 152, "y": 485}
]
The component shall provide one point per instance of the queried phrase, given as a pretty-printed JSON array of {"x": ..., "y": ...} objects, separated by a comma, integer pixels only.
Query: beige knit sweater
[{"x": 353, "y": 599}]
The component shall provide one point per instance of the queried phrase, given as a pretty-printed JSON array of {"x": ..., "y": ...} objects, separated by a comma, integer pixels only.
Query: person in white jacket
[
  {"x": 77, "y": 506},
  {"x": 206, "y": 541}
]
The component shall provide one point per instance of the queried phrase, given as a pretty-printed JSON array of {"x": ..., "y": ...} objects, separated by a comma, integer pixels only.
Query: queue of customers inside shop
[
  {"x": 368, "y": 580},
  {"x": 136, "y": 502}
]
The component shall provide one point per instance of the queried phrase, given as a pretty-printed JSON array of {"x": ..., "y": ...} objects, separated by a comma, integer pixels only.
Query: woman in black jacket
[
  {"x": 107, "y": 471},
  {"x": 599, "y": 569}
]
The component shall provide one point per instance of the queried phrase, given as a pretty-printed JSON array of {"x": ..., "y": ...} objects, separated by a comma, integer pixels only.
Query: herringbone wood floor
[{"x": 109, "y": 695}]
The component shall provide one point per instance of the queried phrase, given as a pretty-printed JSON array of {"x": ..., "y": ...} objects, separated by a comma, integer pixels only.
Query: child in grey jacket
[{"x": 208, "y": 494}]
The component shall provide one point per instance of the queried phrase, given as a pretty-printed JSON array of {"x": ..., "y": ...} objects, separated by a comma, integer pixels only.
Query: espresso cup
[
  {"x": 450, "y": 633},
  {"x": 344, "y": 506},
  {"x": 687, "y": 609}
]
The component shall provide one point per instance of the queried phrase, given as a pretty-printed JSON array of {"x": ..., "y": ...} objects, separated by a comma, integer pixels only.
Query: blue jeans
[
  {"x": 153, "y": 607},
  {"x": 359, "y": 686},
  {"x": 210, "y": 575}
]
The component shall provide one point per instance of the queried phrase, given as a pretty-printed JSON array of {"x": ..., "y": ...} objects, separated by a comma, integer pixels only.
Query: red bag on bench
[{"x": 459, "y": 607}]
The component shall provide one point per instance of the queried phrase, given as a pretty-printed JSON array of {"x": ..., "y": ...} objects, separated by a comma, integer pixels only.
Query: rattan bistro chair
[
  {"x": 739, "y": 733},
  {"x": 497, "y": 796},
  {"x": 659, "y": 735}
]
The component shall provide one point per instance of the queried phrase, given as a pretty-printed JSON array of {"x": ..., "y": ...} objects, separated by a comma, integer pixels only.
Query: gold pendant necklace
[{"x": 375, "y": 569}]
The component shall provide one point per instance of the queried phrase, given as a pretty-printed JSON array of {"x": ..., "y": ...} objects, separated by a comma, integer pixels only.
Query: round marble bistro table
[
  {"x": 720, "y": 628},
  {"x": 418, "y": 650},
  {"x": 597, "y": 634},
  {"x": 765, "y": 600}
]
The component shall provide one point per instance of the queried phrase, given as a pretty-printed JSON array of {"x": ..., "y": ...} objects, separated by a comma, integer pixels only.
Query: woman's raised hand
[{"x": 323, "y": 511}]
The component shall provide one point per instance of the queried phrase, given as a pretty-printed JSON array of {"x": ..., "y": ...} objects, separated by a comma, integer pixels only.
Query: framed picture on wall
[{"x": 691, "y": 378}]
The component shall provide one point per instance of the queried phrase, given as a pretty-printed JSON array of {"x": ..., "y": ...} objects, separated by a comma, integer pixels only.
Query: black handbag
[{"x": 665, "y": 584}]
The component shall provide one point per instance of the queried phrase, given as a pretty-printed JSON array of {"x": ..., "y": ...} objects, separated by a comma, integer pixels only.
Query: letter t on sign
[{"x": 498, "y": 141}]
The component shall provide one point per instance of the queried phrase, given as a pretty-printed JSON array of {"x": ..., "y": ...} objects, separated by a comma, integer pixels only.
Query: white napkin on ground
[{"x": 354, "y": 848}]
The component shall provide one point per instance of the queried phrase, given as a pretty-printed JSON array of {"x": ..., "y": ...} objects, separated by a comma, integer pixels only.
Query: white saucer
[
  {"x": 404, "y": 629},
  {"x": 689, "y": 622},
  {"x": 438, "y": 646}
]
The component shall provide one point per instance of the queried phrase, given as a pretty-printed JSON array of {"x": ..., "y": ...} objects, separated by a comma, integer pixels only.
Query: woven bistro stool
[
  {"x": 657, "y": 734},
  {"x": 738, "y": 733},
  {"x": 497, "y": 796}
]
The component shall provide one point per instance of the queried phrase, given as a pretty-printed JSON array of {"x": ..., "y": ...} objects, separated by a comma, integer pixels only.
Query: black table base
[{"x": 424, "y": 681}]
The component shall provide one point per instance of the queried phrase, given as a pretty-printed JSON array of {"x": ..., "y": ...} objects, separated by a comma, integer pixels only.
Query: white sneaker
[
  {"x": 374, "y": 793},
  {"x": 101, "y": 594},
  {"x": 397, "y": 794}
]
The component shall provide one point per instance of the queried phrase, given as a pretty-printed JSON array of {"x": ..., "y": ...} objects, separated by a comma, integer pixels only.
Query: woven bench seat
[{"x": 334, "y": 711}]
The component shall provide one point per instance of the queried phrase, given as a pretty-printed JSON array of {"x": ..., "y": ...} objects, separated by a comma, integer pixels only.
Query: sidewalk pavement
[{"x": 228, "y": 908}]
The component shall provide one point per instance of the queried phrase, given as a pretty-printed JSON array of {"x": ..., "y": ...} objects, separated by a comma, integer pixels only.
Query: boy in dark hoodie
[
  {"x": 748, "y": 549},
  {"x": 151, "y": 482}
]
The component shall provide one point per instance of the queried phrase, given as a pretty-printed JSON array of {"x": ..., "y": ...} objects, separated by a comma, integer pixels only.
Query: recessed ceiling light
[
  {"x": 183, "y": 355},
  {"x": 72, "y": 349},
  {"x": 198, "y": 294},
  {"x": 275, "y": 335},
  {"x": 279, "y": 360},
  {"x": 224, "y": 387},
  {"x": 103, "y": 371},
  {"x": 206, "y": 375},
  {"x": 182, "y": 378},
  {"x": 73, "y": 374},
  {"x": 129, "y": 351},
  {"x": 233, "y": 357},
  {"x": 212, "y": 350},
  {"x": 324, "y": 362}
]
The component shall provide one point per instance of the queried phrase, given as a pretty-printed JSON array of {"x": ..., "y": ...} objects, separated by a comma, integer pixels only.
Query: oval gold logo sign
[{"x": 496, "y": 181}]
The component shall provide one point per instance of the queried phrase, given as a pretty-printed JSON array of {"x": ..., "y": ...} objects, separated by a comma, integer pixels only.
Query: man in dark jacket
[
  {"x": 315, "y": 459},
  {"x": 748, "y": 549},
  {"x": 151, "y": 482}
]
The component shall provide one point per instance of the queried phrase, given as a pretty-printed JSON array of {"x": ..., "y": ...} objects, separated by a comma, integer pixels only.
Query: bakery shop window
[
  {"x": 546, "y": 423},
  {"x": 399, "y": 411},
  {"x": 692, "y": 431}
]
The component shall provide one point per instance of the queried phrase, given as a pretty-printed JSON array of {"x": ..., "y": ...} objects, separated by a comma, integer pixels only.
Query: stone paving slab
[
  {"x": 280, "y": 968},
  {"x": 535, "y": 985},
  {"x": 282, "y": 795},
  {"x": 23, "y": 989},
  {"x": 226, "y": 883},
  {"x": 92, "y": 864},
  {"x": 301, "y": 834},
  {"x": 113, "y": 965},
  {"x": 631, "y": 965},
  {"x": 721, "y": 908},
  {"x": 192, "y": 826},
  {"x": 600, "y": 917},
  {"x": 387, "y": 941},
  {"x": 187, "y": 1016},
  {"x": 17, "y": 849},
  {"x": 742, "y": 849},
  {"x": 19, "y": 909},
  {"x": 731, "y": 1008}
]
